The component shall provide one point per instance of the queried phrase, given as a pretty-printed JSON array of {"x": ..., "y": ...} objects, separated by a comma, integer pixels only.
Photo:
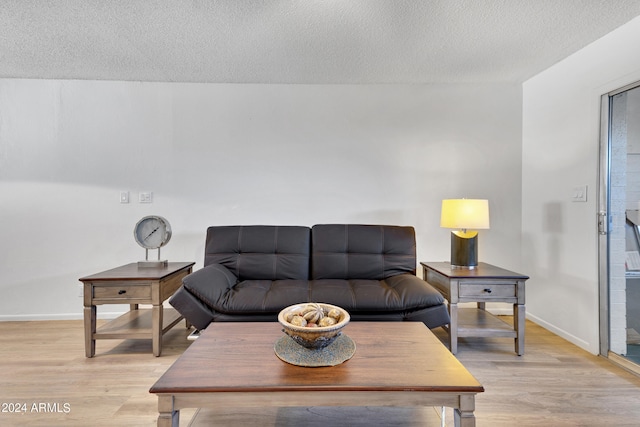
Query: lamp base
[{"x": 464, "y": 251}]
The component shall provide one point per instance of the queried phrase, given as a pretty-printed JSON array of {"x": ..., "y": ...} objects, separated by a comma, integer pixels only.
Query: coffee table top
[{"x": 390, "y": 356}]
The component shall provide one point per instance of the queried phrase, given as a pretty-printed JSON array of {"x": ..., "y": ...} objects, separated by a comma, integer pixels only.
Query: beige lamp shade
[{"x": 465, "y": 214}]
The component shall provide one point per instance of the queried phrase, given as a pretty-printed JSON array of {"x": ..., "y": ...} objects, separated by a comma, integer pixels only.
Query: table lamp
[{"x": 465, "y": 217}]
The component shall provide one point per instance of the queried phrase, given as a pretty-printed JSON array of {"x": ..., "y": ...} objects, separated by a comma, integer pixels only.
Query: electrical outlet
[
  {"x": 145, "y": 197},
  {"x": 124, "y": 197},
  {"x": 80, "y": 290}
]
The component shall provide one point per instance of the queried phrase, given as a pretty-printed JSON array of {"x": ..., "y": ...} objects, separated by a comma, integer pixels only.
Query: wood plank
[{"x": 555, "y": 383}]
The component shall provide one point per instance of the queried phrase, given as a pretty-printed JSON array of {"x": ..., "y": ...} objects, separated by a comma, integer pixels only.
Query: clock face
[{"x": 152, "y": 232}]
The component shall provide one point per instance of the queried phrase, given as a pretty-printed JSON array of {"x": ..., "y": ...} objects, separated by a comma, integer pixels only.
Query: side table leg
[
  {"x": 519, "y": 318},
  {"x": 453, "y": 328},
  {"x": 89, "y": 330},
  {"x": 156, "y": 320}
]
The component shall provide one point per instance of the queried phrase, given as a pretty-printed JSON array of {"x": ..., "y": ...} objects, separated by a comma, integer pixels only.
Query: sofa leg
[{"x": 194, "y": 335}]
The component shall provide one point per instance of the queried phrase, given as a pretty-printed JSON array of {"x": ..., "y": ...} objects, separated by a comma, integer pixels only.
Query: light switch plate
[
  {"x": 579, "y": 194},
  {"x": 145, "y": 197}
]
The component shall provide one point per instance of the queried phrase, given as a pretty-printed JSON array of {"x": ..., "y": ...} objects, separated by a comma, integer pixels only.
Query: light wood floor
[{"x": 553, "y": 384}]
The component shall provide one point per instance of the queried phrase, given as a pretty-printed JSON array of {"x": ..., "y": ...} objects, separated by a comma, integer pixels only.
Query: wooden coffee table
[{"x": 395, "y": 364}]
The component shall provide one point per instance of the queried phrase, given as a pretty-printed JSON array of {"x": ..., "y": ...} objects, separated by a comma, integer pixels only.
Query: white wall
[
  {"x": 237, "y": 154},
  {"x": 561, "y": 117}
]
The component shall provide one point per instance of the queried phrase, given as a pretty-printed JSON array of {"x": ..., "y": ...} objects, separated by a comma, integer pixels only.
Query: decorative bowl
[{"x": 316, "y": 337}]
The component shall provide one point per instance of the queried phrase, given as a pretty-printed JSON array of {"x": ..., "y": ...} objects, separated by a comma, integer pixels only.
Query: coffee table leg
[
  {"x": 463, "y": 416},
  {"x": 168, "y": 417}
]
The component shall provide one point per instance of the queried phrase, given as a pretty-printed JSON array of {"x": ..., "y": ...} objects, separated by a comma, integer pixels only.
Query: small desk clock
[{"x": 152, "y": 232}]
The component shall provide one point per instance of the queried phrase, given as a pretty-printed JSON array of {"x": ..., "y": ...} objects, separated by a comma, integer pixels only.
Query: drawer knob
[
  {"x": 488, "y": 290},
  {"x": 122, "y": 291}
]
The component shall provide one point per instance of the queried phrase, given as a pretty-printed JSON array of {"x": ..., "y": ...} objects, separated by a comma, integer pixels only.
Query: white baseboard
[
  {"x": 118, "y": 310},
  {"x": 561, "y": 333},
  {"x": 508, "y": 311},
  {"x": 500, "y": 311},
  {"x": 69, "y": 316}
]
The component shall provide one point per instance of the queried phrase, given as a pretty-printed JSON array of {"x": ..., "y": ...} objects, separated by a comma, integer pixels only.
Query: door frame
[
  {"x": 604, "y": 216},
  {"x": 603, "y": 221}
]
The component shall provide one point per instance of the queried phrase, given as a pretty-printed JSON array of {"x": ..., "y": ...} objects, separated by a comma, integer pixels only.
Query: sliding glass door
[{"x": 619, "y": 226}]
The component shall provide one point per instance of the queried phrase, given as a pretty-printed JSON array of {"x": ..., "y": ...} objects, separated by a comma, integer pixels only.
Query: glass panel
[{"x": 624, "y": 233}]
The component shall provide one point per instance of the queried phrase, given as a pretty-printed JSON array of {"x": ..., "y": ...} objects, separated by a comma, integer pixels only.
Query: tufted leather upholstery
[
  {"x": 252, "y": 272},
  {"x": 260, "y": 252},
  {"x": 347, "y": 251}
]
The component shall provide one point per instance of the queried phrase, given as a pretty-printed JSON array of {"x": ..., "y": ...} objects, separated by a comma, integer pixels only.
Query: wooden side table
[
  {"x": 129, "y": 284},
  {"x": 485, "y": 283}
]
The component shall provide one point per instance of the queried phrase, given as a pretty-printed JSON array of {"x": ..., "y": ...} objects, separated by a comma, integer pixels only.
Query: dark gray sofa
[{"x": 250, "y": 273}]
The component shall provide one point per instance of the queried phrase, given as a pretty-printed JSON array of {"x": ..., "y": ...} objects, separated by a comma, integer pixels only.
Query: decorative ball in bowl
[{"x": 313, "y": 325}]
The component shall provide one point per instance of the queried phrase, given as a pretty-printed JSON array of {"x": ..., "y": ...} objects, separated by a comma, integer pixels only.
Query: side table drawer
[
  {"x": 487, "y": 290},
  {"x": 124, "y": 292}
]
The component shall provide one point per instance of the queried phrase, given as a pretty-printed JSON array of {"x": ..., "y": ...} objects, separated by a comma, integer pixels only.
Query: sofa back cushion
[
  {"x": 260, "y": 252},
  {"x": 349, "y": 251}
]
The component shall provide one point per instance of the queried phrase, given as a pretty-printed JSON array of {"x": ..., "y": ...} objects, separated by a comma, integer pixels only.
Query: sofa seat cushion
[
  {"x": 403, "y": 292},
  {"x": 260, "y": 296},
  {"x": 254, "y": 296}
]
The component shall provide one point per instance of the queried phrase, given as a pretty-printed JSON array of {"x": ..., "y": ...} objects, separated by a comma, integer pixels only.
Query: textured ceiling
[{"x": 306, "y": 41}]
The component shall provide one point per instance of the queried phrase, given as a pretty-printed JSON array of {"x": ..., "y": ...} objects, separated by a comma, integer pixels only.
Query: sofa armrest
[{"x": 210, "y": 283}]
